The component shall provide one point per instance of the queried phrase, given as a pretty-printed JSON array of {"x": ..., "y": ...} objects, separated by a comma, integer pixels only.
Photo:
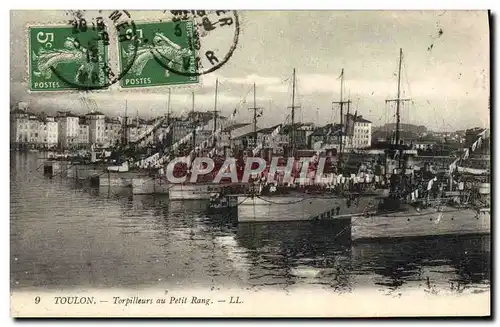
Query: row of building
[
  {"x": 357, "y": 135},
  {"x": 67, "y": 130}
]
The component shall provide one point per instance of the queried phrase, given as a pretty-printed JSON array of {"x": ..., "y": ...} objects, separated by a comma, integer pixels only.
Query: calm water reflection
[{"x": 67, "y": 235}]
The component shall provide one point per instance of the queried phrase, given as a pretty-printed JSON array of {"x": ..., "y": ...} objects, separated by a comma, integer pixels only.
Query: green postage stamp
[
  {"x": 154, "y": 54},
  {"x": 60, "y": 59},
  {"x": 164, "y": 51}
]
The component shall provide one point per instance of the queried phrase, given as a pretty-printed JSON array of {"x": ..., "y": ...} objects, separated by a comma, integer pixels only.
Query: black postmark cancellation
[
  {"x": 81, "y": 57},
  {"x": 214, "y": 38},
  {"x": 82, "y": 61}
]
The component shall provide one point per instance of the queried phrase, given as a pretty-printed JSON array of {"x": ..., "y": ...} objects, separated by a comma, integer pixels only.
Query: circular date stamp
[
  {"x": 76, "y": 55},
  {"x": 213, "y": 38}
]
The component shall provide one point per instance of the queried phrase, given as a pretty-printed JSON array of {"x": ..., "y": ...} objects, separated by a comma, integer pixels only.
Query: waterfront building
[
  {"x": 276, "y": 143},
  {"x": 33, "y": 129},
  {"x": 83, "y": 132},
  {"x": 19, "y": 127},
  {"x": 231, "y": 131},
  {"x": 112, "y": 131},
  {"x": 48, "y": 132},
  {"x": 326, "y": 136},
  {"x": 96, "y": 122},
  {"x": 358, "y": 133},
  {"x": 68, "y": 128},
  {"x": 302, "y": 132},
  {"x": 135, "y": 129}
]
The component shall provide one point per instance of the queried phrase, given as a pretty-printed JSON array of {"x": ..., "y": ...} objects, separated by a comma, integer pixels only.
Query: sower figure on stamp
[
  {"x": 163, "y": 49},
  {"x": 72, "y": 52}
]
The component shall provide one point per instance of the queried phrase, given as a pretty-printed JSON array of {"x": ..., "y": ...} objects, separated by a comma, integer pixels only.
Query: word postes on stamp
[
  {"x": 79, "y": 60},
  {"x": 171, "y": 40},
  {"x": 175, "y": 50}
]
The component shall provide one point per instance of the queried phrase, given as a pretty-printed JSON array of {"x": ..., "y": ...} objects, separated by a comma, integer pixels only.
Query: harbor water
[{"x": 66, "y": 235}]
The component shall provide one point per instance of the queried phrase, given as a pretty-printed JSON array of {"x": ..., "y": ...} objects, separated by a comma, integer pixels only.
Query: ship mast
[
  {"x": 341, "y": 103},
  {"x": 124, "y": 126},
  {"x": 193, "y": 121},
  {"x": 215, "y": 110},
  {"x": 168, "y": 107},
  {"x": 293, "y": 107},
  {"x": 254, "y": 108},
  {"x": 398, "y": 101}
]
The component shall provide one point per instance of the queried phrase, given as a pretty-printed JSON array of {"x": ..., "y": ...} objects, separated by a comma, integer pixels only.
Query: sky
[{"x": 445, "y": 68}]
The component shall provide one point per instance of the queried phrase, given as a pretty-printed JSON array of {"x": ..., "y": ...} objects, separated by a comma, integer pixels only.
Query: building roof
[
  {"x": 268, "y": 130},
  {"x": 287, "y": 128},
  {"x": 235, "y": 126},
  {"x": 46, "y": 119},
  {"x": 243, "y": 136},
  {"x": 20, "y": 112},
  {"x": 359, "y": 118},
  {"x": 66, "y": 114},
  {"x": 308, "y": 125},
  {"x": 95, "y": 113}
]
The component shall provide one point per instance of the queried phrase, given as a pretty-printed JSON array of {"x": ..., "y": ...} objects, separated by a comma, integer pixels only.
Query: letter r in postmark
[
  {"x": 59, "y": 58},
  {"x": 171, "y": 43}
]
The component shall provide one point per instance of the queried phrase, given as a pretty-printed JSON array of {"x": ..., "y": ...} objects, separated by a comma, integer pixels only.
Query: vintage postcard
[{"x": 222, "y": 163}]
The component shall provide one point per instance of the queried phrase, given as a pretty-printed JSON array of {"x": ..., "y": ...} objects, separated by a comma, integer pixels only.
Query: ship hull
[
  {"x": 191, "y": 192},
  {"x": 83, "y": 171},
  {"x": 297, "y": 208},
  {"x": 116, "y": 179},
  {"x": 224, "y": 204},
  {"x": 150, "y": 185},
  {"x": 429, "y": 222}
]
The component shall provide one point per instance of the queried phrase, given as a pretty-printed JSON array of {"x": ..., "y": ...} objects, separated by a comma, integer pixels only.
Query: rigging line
[
  {"x": 246, "y": 94},
  {"x": 378, "y": 119},
  {"x": 405, "y": 73},
  {"x": 221, "y": 84},
  {"x": 243, "y": 101},
  {"x": 287, "y": 78}
]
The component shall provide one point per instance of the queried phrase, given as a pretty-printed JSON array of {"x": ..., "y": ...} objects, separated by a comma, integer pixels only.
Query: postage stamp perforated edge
[
  {"x": 113, "y": 87},
  {"x": 153, "y": 88},
  {"x": 27, "y": 77}
]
